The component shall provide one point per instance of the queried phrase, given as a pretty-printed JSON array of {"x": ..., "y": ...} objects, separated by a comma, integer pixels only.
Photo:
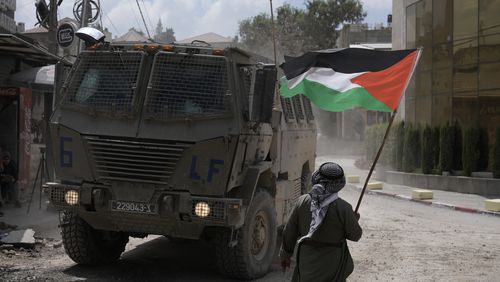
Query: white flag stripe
[{"x": 328, "y": 77}]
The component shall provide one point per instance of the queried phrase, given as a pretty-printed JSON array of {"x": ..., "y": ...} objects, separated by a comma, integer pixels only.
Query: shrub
[
  {"x": 388, "y": 151},
  {"x": 457, "y": 147},
  {"x": 470, "y": 150},
  {"x": 446, "y": 148},
  {"x": 484, "y": 150},
  {"x": 427, "y": 158},
  {"x": 411, "y": 149},
  {"x": 435, "y": 148},
  {"x": 496, "y": 154},
  {"x": 370, "y": 143},
  {"x": 398, "y": 145}
]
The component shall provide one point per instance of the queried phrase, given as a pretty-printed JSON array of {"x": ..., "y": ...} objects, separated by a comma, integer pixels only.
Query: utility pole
[
  {"x": 53, "y": 47},
  {"x": 86, "y": 10}
]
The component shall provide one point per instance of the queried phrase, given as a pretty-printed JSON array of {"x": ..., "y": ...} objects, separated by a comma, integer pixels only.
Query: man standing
[
  {"x": 8, "y": 178},
  {"x": 320, "y": 223}
]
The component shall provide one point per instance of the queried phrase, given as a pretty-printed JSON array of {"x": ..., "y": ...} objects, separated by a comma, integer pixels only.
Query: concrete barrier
[
  {"x": 375, "y": 186},
  {"x": 488, "y": 187},
  {"x": 421, "y": 194},
  {"x": 492, "y": 205},
  {"x": 353, "y": 179}
]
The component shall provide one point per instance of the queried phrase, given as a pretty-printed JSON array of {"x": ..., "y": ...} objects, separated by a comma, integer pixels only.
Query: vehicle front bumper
[{"x": 174, "y": 213}]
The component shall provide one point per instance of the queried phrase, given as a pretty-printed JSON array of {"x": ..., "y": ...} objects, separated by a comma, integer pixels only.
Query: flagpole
[
  {"x": 376, "y": 159},
  {"x": 273, "y": 33}
]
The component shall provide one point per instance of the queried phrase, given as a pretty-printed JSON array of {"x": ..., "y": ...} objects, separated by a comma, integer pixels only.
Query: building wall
[
  {"x": 7, "y": 9},
  {"x": 457, "y": 79}
]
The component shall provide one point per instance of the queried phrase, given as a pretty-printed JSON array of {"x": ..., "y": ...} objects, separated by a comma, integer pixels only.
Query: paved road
[{"x": 402, "y": 241}]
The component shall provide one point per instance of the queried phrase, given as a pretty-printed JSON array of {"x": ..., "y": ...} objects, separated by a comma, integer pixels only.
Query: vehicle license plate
[{"x": 133, "y": 207}]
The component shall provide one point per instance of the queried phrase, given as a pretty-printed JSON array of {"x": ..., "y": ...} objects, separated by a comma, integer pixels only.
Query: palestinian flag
[{"x": 338, "y": 80}]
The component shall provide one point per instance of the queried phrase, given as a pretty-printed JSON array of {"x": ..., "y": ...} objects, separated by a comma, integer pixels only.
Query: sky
[{"x": 187, "y": 17}]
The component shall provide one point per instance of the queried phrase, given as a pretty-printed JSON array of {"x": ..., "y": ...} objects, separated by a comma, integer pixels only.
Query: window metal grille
[
  {"x": 188, "y": 85},
  {"x": 307, "y": 108},
  {"x": 104, "y": 81},
  {"x": 297, "y": 106},
  {"x": 286, "y": 104}
]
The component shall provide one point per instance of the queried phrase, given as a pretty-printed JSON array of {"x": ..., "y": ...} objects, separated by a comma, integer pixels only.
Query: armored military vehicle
[{"x": 186, "y": 141}]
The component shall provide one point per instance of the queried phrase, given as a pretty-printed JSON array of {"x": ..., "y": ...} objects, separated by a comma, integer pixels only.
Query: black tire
[
  {"x": 88, "y": 246},
  {"x": 253, "y": 254}
]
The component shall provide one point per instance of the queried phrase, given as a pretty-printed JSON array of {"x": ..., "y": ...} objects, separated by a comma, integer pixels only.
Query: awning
[
  {"x": 36, "y": 55},
  {"x": 38, "y": 75}
]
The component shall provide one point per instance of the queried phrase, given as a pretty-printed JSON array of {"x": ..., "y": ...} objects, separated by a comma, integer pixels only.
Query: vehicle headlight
[
  {"x": 202, "y": 209},
  {"x": 71, "y": 197}
]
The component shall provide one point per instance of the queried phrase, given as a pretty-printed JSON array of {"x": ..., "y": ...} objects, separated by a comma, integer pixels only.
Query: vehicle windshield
[
  {"x": 104, "y": 81},
  {"x": 188, "y": 85}
]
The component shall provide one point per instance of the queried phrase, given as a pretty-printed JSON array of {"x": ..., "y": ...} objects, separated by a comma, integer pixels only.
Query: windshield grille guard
[
  {"x": 184, "y": 86},
  {"x": 105, "y": 82}
]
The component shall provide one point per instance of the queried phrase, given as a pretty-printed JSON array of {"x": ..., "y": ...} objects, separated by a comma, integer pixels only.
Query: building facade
[
  {"x": 458, "y": 76},
  {"x": 7, "y": 9}
]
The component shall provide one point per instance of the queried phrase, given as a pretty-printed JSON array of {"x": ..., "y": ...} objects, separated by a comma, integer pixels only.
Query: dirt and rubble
[{"x": 402, "y": 241}]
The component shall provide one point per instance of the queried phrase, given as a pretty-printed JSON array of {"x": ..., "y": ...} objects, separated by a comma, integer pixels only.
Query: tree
[
  {"x": 300, "y": 30},
  {"x": 427, "y": 158}
]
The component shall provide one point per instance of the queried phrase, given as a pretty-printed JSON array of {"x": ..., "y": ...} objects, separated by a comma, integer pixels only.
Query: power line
[
  {"x": 109, "y": 20},
  {"x": 100, "y": 15},
  {"x": 145, "y": 25},
  {"x": 133, "y": 12},
  {"x": 147, "y": 14}
]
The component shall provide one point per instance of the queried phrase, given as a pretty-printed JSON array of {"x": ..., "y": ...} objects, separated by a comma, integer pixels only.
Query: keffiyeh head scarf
[{"x": 327, "y": 181}]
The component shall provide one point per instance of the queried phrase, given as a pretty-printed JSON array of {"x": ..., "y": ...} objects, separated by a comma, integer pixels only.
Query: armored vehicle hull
[{"x": 183, "y": 141}]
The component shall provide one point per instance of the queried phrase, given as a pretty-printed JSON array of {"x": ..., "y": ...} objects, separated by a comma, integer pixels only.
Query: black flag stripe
[{"x": 349, "y": 60}]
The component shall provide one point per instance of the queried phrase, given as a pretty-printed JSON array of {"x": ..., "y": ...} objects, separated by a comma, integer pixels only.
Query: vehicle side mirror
[{"x": 263, "y": 94}]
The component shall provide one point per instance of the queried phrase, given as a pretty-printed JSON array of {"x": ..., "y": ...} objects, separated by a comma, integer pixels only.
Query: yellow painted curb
[
  {"x": 353, "y": 179},
  {"x": 492, "y": 205},
  {"x": 375, "y": 186},
  {"x": 421, "y": 194}
]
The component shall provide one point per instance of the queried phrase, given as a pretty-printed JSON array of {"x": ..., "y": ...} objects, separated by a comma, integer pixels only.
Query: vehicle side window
[
  {"x": 307, "y": 108},
  {"x": 286, "y": 104},
  {"x": 297, "y": 106},
  {"x": 245, "y": 85}
]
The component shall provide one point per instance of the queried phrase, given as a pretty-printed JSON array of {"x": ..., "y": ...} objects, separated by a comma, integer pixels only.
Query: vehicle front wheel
[
  {"x": 253, "y": 254},
  {"x": 89, "y": 246}
]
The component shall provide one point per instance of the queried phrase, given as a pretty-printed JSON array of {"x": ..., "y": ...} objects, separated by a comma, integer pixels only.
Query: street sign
[{"x": 65, "y": 35}]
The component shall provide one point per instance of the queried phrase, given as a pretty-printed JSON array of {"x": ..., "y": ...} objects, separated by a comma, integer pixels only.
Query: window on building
[
  {"x": 489, "y": 48},
  {"x": 489, "y": 76},
  {"x": 442, "y": 21},
  {"x": 424, "y": 33},
  {"x": 410, "y": 26},
  {"x": 465, "y": 19},
  {"x": 489, "y": 19},
  {"x": 441, "y": 80}
]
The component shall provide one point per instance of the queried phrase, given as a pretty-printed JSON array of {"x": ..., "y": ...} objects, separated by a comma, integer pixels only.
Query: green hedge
[
  {"x": 484, "y": 152},
  {"x": 471, "y": 150},
  {"x": 496, "y": 154},
  {"x": 374, "y": 135},
  {"x": 399, "y": 138},
  {"x": 435, "y": 148},
  {"x": 457, "y": 147},
  {"x": 427, "y": 159},
  {"x": 411, "y": 149},
  {"x": 446, "y": 142}
]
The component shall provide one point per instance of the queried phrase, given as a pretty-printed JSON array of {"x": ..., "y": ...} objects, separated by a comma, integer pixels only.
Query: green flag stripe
[{"x": 332, "y": 100}]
